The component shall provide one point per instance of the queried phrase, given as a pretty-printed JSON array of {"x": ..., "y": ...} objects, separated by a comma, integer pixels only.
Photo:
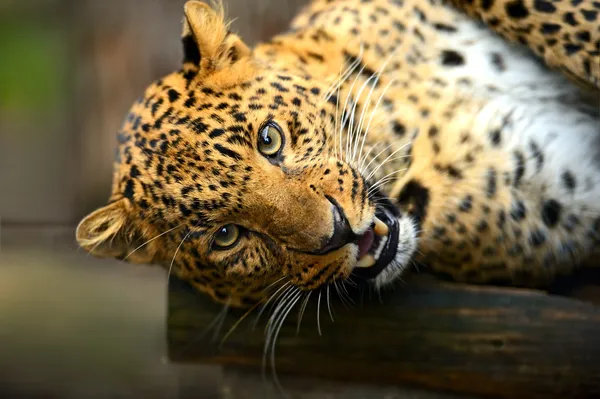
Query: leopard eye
[
  {"x": 270, "y": 140},
  {"x": 227, "y": 236}
]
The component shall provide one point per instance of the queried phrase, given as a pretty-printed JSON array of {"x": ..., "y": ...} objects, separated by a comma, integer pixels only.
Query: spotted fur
[{"x": 491, "y": 158}]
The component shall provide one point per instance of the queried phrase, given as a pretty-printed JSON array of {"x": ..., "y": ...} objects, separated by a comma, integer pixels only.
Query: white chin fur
[{"x": 407, "y": 245}]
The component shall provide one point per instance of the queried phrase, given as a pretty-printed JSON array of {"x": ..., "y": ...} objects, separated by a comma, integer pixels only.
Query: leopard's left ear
[{"x": 207, "y": 41}]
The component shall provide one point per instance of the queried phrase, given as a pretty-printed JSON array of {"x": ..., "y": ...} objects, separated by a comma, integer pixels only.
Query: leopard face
[{"x": 229, "y": 173}]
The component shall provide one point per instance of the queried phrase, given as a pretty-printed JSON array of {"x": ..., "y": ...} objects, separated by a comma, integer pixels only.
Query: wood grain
[{"x": 487, "y": 341}]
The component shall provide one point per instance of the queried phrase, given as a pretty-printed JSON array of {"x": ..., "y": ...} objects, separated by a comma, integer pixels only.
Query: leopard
[{"x": 369, "y": 137}]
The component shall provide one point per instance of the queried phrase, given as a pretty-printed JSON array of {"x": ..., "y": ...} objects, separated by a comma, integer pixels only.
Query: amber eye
[
  {"x": 227, "y": 236},
  {"x": 270, "y": 140}
]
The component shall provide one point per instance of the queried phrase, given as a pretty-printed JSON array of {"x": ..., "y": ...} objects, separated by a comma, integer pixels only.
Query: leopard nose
[{"x": 342, "y": 232}]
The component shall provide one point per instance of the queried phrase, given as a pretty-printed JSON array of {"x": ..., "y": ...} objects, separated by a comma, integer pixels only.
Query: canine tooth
[
  {"x": 366, "y": 261},
  {"x": 380, "y": 228}
]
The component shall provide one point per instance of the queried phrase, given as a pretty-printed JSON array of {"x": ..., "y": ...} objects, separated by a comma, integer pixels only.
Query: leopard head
[{"x": 229, "y": 173}]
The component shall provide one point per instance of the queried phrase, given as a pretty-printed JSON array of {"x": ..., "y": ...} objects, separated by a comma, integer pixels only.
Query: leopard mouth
[{"x": 378, "y": 245}]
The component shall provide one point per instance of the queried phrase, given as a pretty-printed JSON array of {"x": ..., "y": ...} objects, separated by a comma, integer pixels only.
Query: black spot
[
  {"x": 501, "y": 218},
  {"x": 515, "y": 250},
  {"x": 496, "y": 137},
  {"x": 191, "y": 53},
  {"x": 583, "y": 36},
  {"x": 487, "y": 4},
  {"x": 453, "y": 172},
  {"x": 491, "y": 182},
  {"x": 550, "y": 28},
  {"x": 227, "y": 152},
  {"x": 538, "y": 155},
  {"x": 571, "y": 48},
  {"x": 233, "y": 54},
  {"x": 316, "y": 56},
  {"x": 185, "y": 211},
  {"x": 173, "y": 95},
  {"x": 399, "y": 128},
  {"x": 537, "y": 238},
  {"x": 544, "y": 6},
  {"x": 482, "y": 226},
  {"x": 216, "y": 133},
  {"x": 517, "y": 210},
  {"x": 516, "y": 9},
  {"x": 239, "y": 117},
  {"x": 134, "y": 172},
  {"x": 493, "y": 21},
  {"x": 569, "y": 180},
  {"x": 466, "y": 204},
  {"x": 589, "y": 15},
  {"x": 198, "y": 126},
  {"x": 569, "y": 18},
  {"x": 433, "y": 131},
  {"x": 315, "y": 91},
  {"x": 128, "y": 192},
  {"x": 551, "y": 212},
  {"x": 444, "y": 28},
  {"x": 489, "y": 251},
  {"x": 438, "y": 232},
  {"x": 571, "y": 222},
  {"x": 498, "y": 62},
  {"x": 415, "y": 197},
  {"x": 279, "y": 87},
  {"x": 452, "y": 58},
  {"x": 190, "y": 102},
  {"x": 519, "y": 168}
]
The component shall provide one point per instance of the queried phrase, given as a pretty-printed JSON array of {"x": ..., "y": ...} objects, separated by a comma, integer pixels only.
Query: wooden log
[{"x": 486, "y": 341}]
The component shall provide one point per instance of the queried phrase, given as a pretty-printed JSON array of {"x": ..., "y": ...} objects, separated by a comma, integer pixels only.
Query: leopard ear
[
  {"x": 110, "y": 232},
  {"x": 207, "y": 42}
]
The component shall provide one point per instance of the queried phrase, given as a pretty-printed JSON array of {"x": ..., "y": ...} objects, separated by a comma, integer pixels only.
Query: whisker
[
  {"x": 345, "y": 112},
  {"x": 383, "y": 181},
  {"x": 345, "y": 290},
  {"x": 282, "y": 303},
  {"x": 349, "y": 71},
  {"x": 176, "y": 252},
  {"x": 319, "y": 313},
  {"x": 152, "y": 239},
  {"x": 271, "y": 340},
  {"x": 385, "y": 161},
  {"x": 354, "y": 128},
  {"x": 368, "y": 101},
  {"x": 377, "y": 104},
  {"x": 366, "y": 168},
  {"x": 302, "y": 310},
  {"x": 275, "y": 294},
  {"x": 238, "y": 322},
  {"x": 329, "y": 304}
]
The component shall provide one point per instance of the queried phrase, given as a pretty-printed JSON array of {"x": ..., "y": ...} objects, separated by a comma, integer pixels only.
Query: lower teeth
[{"x": 366, "y": 261}]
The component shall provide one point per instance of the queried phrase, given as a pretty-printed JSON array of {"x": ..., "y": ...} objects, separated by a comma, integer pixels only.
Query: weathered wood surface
[{"x": 484, "y": 341}]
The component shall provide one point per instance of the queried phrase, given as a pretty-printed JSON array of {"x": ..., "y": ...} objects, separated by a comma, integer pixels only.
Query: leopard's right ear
[
  {"x": 111, "y": 232},
  {"x": 207, "y": 42}
]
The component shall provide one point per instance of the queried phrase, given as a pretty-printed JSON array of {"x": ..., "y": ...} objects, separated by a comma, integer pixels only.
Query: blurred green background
[{"x": 72, "y": 326}]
